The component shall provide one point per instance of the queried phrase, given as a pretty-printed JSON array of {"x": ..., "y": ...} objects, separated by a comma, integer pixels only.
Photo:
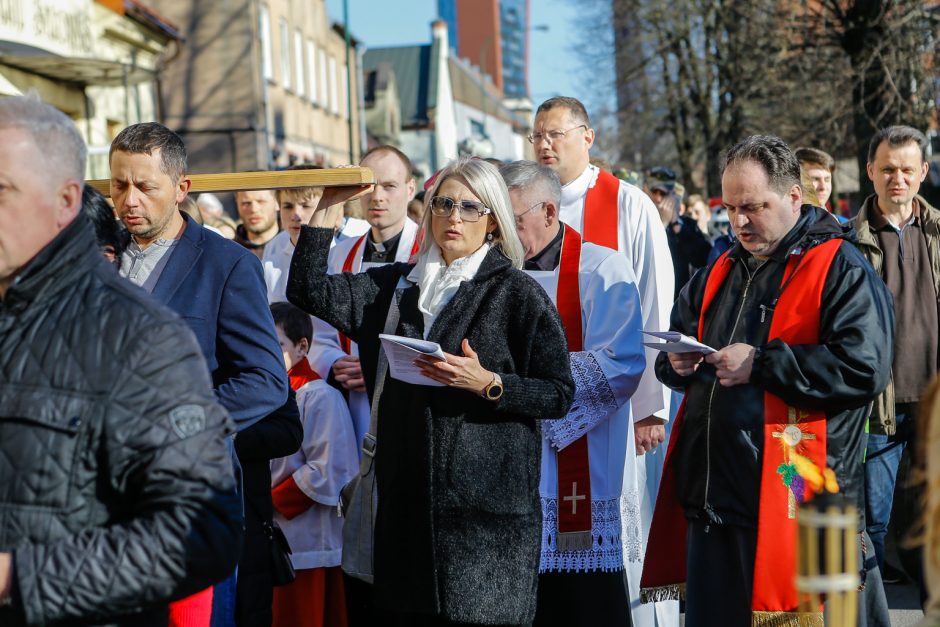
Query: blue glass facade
[
  {"x": 447, "y": 11},
  {"x": 514, "y": 25},
  {"x": 514, "y": 17}
]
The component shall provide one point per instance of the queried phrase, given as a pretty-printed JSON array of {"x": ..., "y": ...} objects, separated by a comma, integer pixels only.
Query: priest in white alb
[
  {"x": 609, "y": 212},
  {"x": 582, "y": 578}
]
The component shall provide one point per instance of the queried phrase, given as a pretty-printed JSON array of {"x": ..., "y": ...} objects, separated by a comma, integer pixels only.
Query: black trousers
[
  {"x": 362, "y": 612},
  {"x": 394, "y": 619},
  {"x": 583, "y": 600},
  {"x": 720, "y": 575},
  {"x": 360, "y": 609}
]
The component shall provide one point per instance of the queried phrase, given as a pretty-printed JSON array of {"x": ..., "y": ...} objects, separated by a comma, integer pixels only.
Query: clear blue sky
[{"x": 552, "y": 68}]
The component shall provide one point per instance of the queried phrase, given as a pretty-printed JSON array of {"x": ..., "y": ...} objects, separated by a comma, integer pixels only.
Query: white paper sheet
[
  {"x": 676, "y": 342},
  {"x": 401, "y": 353}
]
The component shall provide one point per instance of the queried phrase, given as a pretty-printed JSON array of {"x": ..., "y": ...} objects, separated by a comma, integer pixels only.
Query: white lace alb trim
[
  {"x": 632, "y": 527},
  {"x": 594, "y": 400},
  {"x": 606, "y": 553}
]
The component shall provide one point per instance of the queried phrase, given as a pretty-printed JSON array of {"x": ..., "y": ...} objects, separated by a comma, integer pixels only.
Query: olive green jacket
[{"x": 882, "y": 415}]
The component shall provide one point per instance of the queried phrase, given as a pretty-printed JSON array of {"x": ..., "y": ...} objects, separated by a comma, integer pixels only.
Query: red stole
[
  {"x": 416, "y": 245},
  {"x": 301, "y": 374},
  {"x": 344, "y": 341},
  {"x": 574, "y": 468},
  {"x": 795, "y": 321},
  {"x": 601, "y": 210}
]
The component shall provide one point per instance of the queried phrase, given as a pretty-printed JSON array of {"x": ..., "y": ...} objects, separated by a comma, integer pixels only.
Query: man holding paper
[
  {"x": 804, "y": 331},
  {"x": 581, "y": 567}
]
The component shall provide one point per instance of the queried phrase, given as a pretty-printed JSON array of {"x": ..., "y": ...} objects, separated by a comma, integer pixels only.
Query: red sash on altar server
[
  {"x": 601, "y": 211},
  {"x": 344, "y": 341},
  {"x": 574, "y": 467},
  {"x": 786, "y": 429}
]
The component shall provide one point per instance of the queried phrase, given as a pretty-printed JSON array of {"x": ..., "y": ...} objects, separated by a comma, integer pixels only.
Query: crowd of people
[{"x": 190, "y": 405}]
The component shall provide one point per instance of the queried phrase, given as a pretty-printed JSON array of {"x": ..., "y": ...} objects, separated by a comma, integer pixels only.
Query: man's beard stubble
[{"x": 260, "y": 228}]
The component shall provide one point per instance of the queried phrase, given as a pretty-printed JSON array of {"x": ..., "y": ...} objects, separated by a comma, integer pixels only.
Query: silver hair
[
  {"x": 210, "y": 202},
  {"x": 527, "y": 175},
  {"x": 54, "y": 134},
  {"x": 484, "y": 180}
]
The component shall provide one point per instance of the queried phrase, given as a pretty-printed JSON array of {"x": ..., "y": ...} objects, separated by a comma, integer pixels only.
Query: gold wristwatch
[{"x": 494, "y": 390}]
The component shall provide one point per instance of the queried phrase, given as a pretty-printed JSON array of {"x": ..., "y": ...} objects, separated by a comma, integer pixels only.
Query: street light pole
[{"x": 349, "y": 78}]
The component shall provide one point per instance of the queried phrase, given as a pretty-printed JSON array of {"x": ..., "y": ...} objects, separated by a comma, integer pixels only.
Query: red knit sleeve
[{"x": 289, "y": 500}]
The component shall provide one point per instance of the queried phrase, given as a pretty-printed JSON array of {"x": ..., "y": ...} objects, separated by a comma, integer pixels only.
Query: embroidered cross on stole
[{"x": 792, "y": 436}]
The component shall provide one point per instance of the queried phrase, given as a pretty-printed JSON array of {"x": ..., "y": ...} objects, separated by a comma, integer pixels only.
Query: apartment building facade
[
  {"x": 95, "y": 60},
  {"x": 262, "y": 84}
]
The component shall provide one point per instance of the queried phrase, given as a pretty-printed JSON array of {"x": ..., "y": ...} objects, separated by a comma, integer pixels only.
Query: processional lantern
[{"x": 828, "y": 555}]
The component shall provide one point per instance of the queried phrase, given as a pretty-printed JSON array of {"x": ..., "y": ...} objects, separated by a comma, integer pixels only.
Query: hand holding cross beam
[{"x": 330, "y": 208}]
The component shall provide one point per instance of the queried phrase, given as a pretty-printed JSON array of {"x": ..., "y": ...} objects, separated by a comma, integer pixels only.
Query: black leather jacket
[
  {"x": 116, "y": 485},
  {"x": 719, "y": 450}
]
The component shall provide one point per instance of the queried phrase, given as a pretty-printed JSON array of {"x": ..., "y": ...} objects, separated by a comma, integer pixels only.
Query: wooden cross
[
  {"x": 792, "y": 435},
  {"x": 574, "y": 498},
  {"x": 281, "y": 179}
]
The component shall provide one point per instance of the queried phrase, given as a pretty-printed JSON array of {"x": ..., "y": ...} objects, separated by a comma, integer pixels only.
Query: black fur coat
[{"x": 458, "y": 529}]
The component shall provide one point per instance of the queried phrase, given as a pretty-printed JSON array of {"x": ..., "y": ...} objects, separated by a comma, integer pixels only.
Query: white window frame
[
  {"x": 285, "y": 54},
  {"x": 312, "y": 70},
  {"x": 324, "y": 86},
  {"x": 334, "y": 87},
  {"x": 299, "y": 61},
  {"x": 264, "y": 30},
  {"x": 344, "y": 84}
]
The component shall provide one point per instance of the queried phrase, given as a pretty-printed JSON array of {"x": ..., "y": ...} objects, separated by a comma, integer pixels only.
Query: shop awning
[{"x": 88, "y": 71}]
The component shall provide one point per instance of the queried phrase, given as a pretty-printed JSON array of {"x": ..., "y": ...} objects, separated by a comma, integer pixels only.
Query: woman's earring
[{"x": 489, "y": 237}]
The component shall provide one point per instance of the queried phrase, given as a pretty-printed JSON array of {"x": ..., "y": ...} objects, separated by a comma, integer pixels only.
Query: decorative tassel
[
  {"x": 787, "y": 619},
  {"x": 663, "y": 593},
  {"x": 575, "y": 541}
]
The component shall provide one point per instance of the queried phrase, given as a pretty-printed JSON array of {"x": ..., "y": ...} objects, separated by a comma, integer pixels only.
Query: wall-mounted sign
[{"x": 62, "y": 27}]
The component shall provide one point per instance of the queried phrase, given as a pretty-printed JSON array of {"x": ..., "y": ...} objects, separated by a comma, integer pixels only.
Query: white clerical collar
[{"x": 577, "y": 188}]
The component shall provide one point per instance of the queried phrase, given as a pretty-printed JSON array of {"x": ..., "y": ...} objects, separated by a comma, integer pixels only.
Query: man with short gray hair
[
  {"x": 116, "y": 488},
  {"x": 613, "y": 213},
  {"x": 582, "y": 578}
]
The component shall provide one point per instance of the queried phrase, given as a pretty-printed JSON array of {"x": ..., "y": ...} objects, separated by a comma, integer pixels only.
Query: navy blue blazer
[{"x": 217, "y": 287}]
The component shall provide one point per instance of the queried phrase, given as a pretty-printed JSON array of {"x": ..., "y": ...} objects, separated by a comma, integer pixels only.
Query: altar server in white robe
[
  {"x": 392, "y": 237},
  {"x": 581, "y": 572},
  {"x": 612, "y": 213}
]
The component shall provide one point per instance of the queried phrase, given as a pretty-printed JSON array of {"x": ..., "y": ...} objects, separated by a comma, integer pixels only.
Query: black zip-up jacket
[
  {"x": 719, "y": 452},
  {"x": 116, "y": 486}
]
